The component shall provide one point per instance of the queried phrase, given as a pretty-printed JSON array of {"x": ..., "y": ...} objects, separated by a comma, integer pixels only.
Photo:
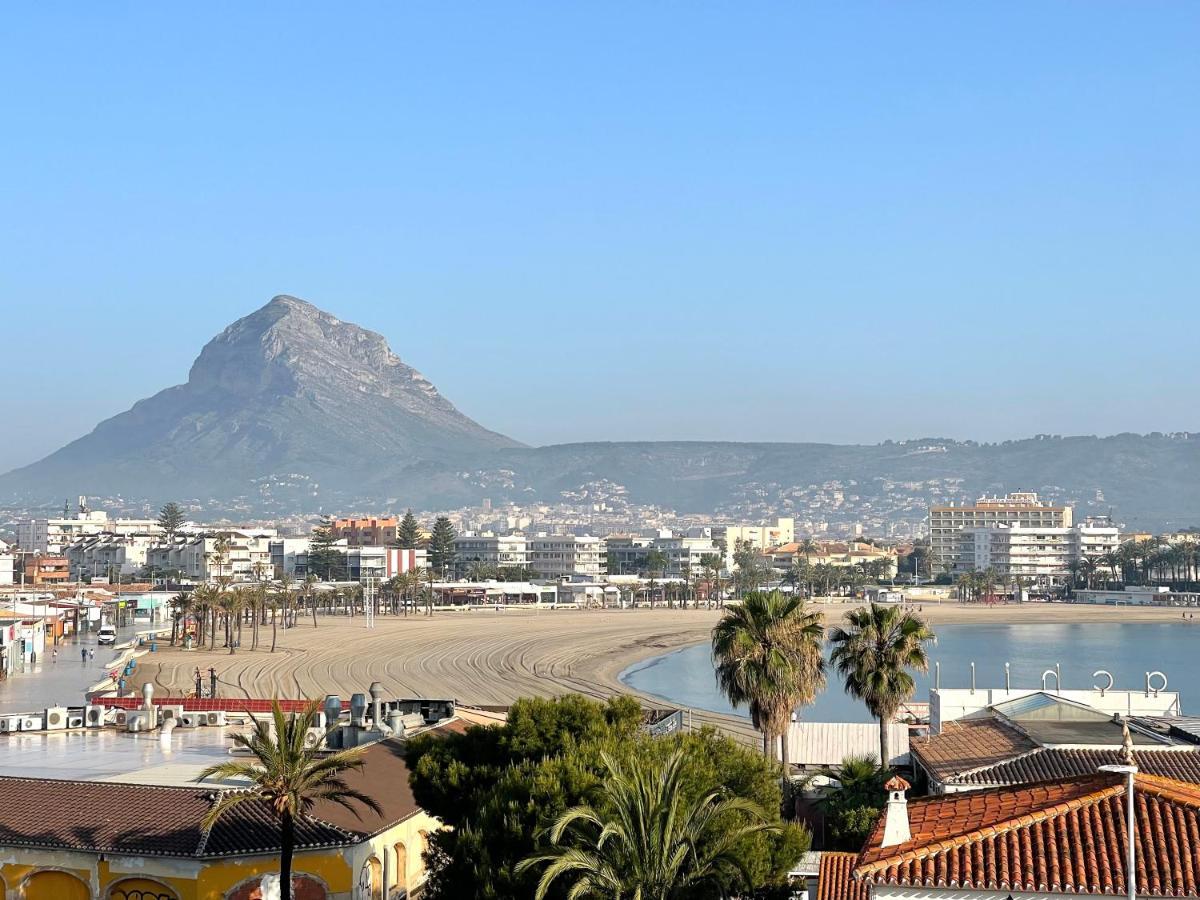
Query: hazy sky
[{"x": 770, "y": 221}]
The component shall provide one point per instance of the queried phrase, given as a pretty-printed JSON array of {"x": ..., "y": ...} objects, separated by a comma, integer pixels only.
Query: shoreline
[{"x": 486, "y": 658}]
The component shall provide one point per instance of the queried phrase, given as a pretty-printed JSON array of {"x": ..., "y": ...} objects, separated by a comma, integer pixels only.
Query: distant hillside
[{"x": 291, "y": 410}]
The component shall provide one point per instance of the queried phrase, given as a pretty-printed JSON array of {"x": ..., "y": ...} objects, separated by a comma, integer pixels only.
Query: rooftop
[
  {"x": 1062, "y": 837},
  {"x": 113, "y": 816}
]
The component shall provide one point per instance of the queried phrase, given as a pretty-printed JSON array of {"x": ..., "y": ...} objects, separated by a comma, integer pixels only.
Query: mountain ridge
[{"x": 292, "y": 409}]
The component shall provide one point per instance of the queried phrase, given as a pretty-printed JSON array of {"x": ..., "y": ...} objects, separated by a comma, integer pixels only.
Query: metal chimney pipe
[
  {"x": 972, "y": 676},
  {"x": 148, "y": 699},
  {"x": 1007, "y": 679}
]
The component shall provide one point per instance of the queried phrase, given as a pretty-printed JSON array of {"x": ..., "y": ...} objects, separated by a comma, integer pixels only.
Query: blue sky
[{"x": 774, "y": 221}]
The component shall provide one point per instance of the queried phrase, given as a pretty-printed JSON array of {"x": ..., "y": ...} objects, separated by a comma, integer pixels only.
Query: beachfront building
[
  {"x": 498, "y": 551},
  {"x": 1022, "y": 509},
  {"x": 567, "y": 556},
  {"x": 1045, "y": 555},
  {"x": 357, "y": 563},
  {"x": 197, "y": 557},
  {"x": 843, "y": 555},
  {"x": 684, "y": 554},
  {"x": 99, "y": 555}
]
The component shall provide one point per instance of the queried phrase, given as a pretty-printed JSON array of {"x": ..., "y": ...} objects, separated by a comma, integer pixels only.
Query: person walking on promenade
[{"x": 83, "y": 655}]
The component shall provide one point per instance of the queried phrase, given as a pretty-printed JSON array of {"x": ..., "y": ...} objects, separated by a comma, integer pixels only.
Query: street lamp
[{"x": 1129, "y": 770}]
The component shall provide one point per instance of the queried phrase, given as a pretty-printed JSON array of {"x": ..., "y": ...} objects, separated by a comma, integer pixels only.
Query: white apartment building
[
  {"x": 1022, "y": 509},
  {"x": 53, "y": 535},
  {"x": 99, "y": 554},
  {"x": 567, "y": 555},
  {"x": 290, "y": 557},
  {"x": 757, "y": 536},
  {"x": 196, "y": 557},
  {"x": 500, "y": 550},
  {"x": 1042, "y": 554},
  {"x": 684, "y": 553}
]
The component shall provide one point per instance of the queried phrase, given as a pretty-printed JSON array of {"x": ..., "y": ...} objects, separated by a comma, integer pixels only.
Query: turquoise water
[{"x": 1127, "y": 651}]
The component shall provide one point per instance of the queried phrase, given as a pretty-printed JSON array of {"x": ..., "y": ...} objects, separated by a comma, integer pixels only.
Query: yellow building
[{"x": 79, "y": 839}]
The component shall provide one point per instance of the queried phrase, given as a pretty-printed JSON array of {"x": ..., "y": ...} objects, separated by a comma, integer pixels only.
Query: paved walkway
[{"x": 61, "y": 683}]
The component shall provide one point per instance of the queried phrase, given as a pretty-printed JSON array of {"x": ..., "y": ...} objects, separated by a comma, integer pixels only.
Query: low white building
[{"x": 567, "y": 555}]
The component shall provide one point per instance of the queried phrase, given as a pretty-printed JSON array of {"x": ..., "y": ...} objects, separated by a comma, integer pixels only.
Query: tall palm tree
[
  {"x": 181, "y": 608},
  {"x": 874, "y": 653},
  {"x": 648, "y": 840},
  {"x": 768, "y": 656},
  {"x": 287, "y": 775}
]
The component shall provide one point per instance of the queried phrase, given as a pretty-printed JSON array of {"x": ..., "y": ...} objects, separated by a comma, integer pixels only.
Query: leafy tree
[
  {"x": 768, "y": 655},
  {"x": 501, "y": 788},
  {"x": 649, "y": 837},
  {"x": 325, "y": 560},
  {"x": 851, "y": 809},
  {"x": 170, "y": 519},
  {"x": 408, "y": 535},
  {"x": 287, "y": 776},
  {"x": 873, "y": 653},
  {"x": 441, "y": 545}
]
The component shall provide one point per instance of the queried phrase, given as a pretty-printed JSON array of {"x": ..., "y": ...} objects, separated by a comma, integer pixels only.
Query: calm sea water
[{"x": 1127, "y": 651}]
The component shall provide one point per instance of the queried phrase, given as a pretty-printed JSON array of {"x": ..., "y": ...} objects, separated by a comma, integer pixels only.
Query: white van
[{"x": 106, "y": 635}]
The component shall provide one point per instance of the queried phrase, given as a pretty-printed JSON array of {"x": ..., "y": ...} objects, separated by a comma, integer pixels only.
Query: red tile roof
[
  {"x": 835, "y": 879},
  {"x": 1066, "y": 837},
  {"x": 114, "y": 817}
]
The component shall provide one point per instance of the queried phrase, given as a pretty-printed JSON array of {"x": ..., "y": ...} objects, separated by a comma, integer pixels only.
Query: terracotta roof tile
[
  {"x": 1061, "y": 837},
  {"x": 1054, "y": 763},
  {"x": 969, "y": 744},
  {"x": 835, "y": 879}
]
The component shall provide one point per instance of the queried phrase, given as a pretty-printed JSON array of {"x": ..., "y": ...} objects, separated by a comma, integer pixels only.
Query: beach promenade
[{"x": 486, "y": 657}]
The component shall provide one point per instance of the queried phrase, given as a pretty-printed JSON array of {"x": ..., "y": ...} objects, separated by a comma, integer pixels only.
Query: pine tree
[
  {"x": 408, "y": 535},
  {"x": 170, "y": 518},
  {"x": 324, "y": 558},
  {"x": 441, "y": 545}
]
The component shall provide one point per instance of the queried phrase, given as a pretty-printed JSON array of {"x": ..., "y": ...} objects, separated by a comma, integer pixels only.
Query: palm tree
[
  {"x": 181, "y": 608},
  {"x": 288, "y": 775},
  {"x": 768, "y": 655},
  {"x": 874, "y": 653},
  {"x": 648, "y": 839}
]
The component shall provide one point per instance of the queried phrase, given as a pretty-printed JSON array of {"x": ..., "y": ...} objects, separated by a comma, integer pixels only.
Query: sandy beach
[{"x": 487, "y": 657}]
